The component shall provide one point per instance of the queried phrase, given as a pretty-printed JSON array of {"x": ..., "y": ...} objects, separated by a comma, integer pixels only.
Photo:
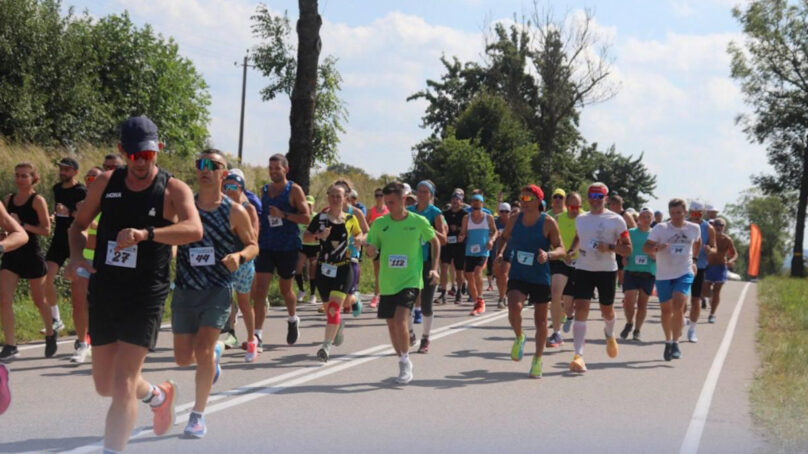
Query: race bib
[
  {"x": 475, "y": 249},
  {"x": 679, "y": 249},
  {"x": 641, "y": 260},
  {"x": 593, "y": 244},
  {"x": 451, "y": 240},
  {"x": 202, "y": 256},
  {"x": 397, "y": 261},
  {"x": 275, "y": 221},
  {"x": 125, "y": 258},
  {"x": 328, "y": 270},
  {"x": 525, "y": 258}
]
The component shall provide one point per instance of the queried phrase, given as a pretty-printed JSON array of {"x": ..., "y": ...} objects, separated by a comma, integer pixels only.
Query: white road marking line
[{"x": 692, "y": 439}]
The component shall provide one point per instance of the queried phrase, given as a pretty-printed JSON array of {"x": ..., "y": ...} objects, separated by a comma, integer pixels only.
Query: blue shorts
[
  {"x": 243, "y": 277},
  {"x": 665, "y": 288},
  {"x": 716, "y": 273},
  {"x": 635, "y": 280}
]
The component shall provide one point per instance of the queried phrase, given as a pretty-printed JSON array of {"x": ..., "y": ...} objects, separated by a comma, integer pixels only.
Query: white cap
[
  {"x": 407, "y": 189},
  {"x": 238, "y": 172},
  {"x": 631, "y": 211},
  {"x": 504, "y": 206},
  {"x": 354, "y": 193},
  {"x": 709, "y": 207},
  {"x": 696, "y": 205}
]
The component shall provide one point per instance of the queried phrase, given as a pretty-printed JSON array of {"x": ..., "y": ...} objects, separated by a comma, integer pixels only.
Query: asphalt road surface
[{"x": 467, "y": 395}]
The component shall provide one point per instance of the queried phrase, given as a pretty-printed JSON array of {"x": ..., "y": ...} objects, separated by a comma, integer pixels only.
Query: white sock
[
  {"x": 427, "y": 325},
  {"x": 404, "y": 358},
  {"x": 158, "y": 396},
  {"x": 293, "y": 318},
  {"x": 198, "y": 413},
  {"x": 609, "y": 327},
  {"x": 579, "y": 336},
  {"x": 55, "y": 312},
  {"x": 258, "y": 333}
]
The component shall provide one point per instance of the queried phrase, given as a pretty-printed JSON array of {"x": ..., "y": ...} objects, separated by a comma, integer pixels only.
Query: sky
[{"x": 676, "y": 102}]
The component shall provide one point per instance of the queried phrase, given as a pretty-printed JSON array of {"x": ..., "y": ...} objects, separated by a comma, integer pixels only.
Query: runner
[
  {"x": 333, "y": 230},
  {"x": 425, "y": 193},
  {"x": 283, "y": 207},
  {"x": 708, "y": 247},
  {"x": 718, "y": 263},
  {"x": 675, "y": 243},
  {"x": 453, "y": 255},
  {"x": 657, "y": 218},
  {"x": 534, "y": 239},
  {"x": 479, "y": 233},
  {"x": 710, "y": 215},
  {"x": 353, "y": 303},
  {"x": 616, "y": 205},
  {"x": 566, "y": 225},
  {"x": 559, "y": 270},
  {"x": 398, "y": 238},
  {"x": 29, "y": 210},
  {"x": 14, "y": 238},
  {"x": 112, "y": 161},
  {"x": 66, "y": 194},
  {"x": 501, "y": 268},
  {"x": 354, "y": 200},
  {"x": 233, "y": 187},
  {"x": 640, "y": 269},
  {"x": 307, "y": 261},
  {"x": 145, "y": 211},
  {"x": 600, "y": 235},
  {"x": 377, "y": 211}
]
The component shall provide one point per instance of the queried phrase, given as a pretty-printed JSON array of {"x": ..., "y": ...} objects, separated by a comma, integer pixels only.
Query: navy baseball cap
[
  {"x": 68, "y": 162},
  {"x": 139, "y": 134}
]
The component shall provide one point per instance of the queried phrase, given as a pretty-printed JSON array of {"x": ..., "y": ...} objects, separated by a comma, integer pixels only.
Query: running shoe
[
  {"x": 626, "y": 330},
  {"x": 404, "y": 372},
  {"x": 611, "y": 347},
  {"x": 322, "y": 354},
  {"x": 58, "y": 325},
  {"x": 259, "y": 343},
  {"x": 374, "y": 302},
  {"x": 417, "y": 316},
  {"x": 252, "y": 351},
  {"x": 490, "y": 288},
  {"x": 535, "y": 368},
  {"x": 313, "y": 300},
  {"x": 5, "y": 390},
  {"x": 76, "y": 344},
  {"x": 691, "y": 334},
  {"x": 356, "y": 308},
  {"x": 9, "y": 352},
  {"x": 668, "y": 351},
  {"x": 675, "y": 352},
  {"x": 479, "y": 307},
  {"x": 501, "y": 304},
  {"x": 412, "y": 338},
  {"x": 567, "y": 324},
  {"x": 463, "y": 289},
  {"x": 424, "y": 347},
  {"x": 578, "y": 364},
  {"x": 458, "y": 297},
  {"x": 340, "y": 337},
  {"x": 452, "y": 291},
  {"x": 81, "y": 354},
  {"x": 637, "y": 337},
  {"x": 293, "y": 331},
  {"x": 469, "y": 300},
  {"x": 196, "y": 426},
  {"x": 704, "y": 303},
  {"x": 518, "y": 347},
  {"x": 217, "y": 356},
  {"x": 301, "y": 295},
  {"x": 442, "y": 299},
  {"x": 321, "y": 309},
  {"x": 555, "y": 340},
  {"x": 711, "y": 319},
  {"x": 230, "y": 341},
  {"x": 346, "y": 310},
  {"x": 50, "y": 345},
  {"x": 164, "y": 413}
]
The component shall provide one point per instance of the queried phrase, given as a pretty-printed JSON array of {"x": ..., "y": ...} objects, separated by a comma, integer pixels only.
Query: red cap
[
  {"x": 536, "y": 191},
  {"x": 598, "y": 190}
]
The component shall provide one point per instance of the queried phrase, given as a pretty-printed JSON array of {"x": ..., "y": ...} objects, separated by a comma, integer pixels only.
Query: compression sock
[{"x": 579, "y": 336}]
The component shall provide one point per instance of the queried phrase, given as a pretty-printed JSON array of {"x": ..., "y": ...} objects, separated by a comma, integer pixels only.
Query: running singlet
[
  {"x": 501, "y": 229},
  {"x": 144, "y": 266},
  {"x": 199, "y": 264},
  {"x": 27, "y": 215},
  {"x": 593, "y": 229},
  {"x": 705, "y": 237},
  {"x": 477, "y": 234},
  {"x": 68, "y": 197},
  {"x": 639, "y": 261},
  {"x": 376, "y": 213},
  {"x": 566, "y": 227},
  {"x": 303, "y": 228},
  {"x": 399, "y": 243},
  {"x": 277, "y": 233},
  {"x": 674, "y": 261},
  {"x": 454, "y": 220},
  {"x": 431, "y": 212},
  {"x": 525, "y": 243},
  {"x": 334, "y": 249}
]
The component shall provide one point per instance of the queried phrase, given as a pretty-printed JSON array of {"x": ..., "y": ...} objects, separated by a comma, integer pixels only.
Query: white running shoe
[
  {"x": 301, "y": 295},
  {"x": 313, "y": 300},
  {"x": 404, "y": 372},
  {"x": 691, "y": 334},
  {"x": 81, "y": 354}
]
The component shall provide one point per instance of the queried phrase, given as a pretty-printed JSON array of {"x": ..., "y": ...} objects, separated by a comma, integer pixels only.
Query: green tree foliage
[
  {"x": 774, "y": 220},
  {"x": 772, "y": 67},
  {"x": 67, "y": 79}
]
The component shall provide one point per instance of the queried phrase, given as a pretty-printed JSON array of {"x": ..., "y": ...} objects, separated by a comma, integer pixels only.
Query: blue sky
[{"x": 676, "y": 102}]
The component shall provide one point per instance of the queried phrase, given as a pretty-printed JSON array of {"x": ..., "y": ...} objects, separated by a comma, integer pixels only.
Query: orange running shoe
[
  {"x": 578, "y": 364},
  {"x": 164, "y": 413},
  {"x": 611, "y": 347}
]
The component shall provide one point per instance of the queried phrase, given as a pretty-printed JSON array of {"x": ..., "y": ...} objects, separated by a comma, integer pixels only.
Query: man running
[
  {"x": 566, "y": 225},
  {"x": 501, "y": 268},
  {"x": 708, "y": 247},
  {"x": 718, "y": 263},
  {"x": 454, "y": 253},
  {"x": 283, "y": 207},
  {"x": 675, "y": 243},
  {"x": 377, "y": 211},
  {"x": 144, "y": 212},
  {"x": 200, "y": 305},
  {"x": 601, "y": 234},
  {"x": 616, "y": 205},
  {"x": 398, "y": 238},
  {"x": 307, "y": 261},
  {"x": 638, "y": 282},
  {"x": 533, "y": 238},
  {"x": 559, "y": 270},
  {"x": 479, "y": 233},
  {"x": 112, "y": 161}
]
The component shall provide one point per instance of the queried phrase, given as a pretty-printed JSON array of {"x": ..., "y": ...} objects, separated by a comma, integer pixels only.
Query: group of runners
[{"x": 123, "y": 229}]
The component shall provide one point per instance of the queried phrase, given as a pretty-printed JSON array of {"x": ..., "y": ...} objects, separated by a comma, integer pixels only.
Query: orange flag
[{"x": 754, "y": 251}]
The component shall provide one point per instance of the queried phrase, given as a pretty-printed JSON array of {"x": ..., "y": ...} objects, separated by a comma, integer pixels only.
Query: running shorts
[
  {"x": 341, "y": 282},
  {"x": 124, "y": 314},
  {"x": 535, "y": 293},
  {"x": 284, "y": 262},
  {"x": 698, "y": 282},
  {"x": 59, "y": 251},
  {"x": 310, "y": 250},
  {"x": 453, "y": 254},
  {"x": 243, "y": 277},
  {"x": 389, "y": 303},
  {"x": 716, "y": 274},
  {"x": 636, "y": 280},
  {"x": 587, "y": 281},
  {"x": 561, "y": 267},
  {"x": 25, "y": 265},
  {"x": 428, "y": 292},
  {"x": 192, "y": 309},
  {"x": 470, "y": 263},
  {"x": 665, "y": 288}
]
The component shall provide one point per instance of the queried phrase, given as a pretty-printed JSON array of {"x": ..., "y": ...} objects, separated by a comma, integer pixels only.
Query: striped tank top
[{"x": 199, "y": 264}]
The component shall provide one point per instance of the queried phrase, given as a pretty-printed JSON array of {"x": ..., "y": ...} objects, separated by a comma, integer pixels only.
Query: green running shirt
[{"x": 401, "y": 255}]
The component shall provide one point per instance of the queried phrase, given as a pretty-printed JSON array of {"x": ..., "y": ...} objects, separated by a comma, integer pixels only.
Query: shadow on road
[{"x": 46, "y": 444}]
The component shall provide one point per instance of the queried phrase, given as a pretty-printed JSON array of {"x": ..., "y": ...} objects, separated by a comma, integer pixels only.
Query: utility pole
[{"x": 243, "y": 96}]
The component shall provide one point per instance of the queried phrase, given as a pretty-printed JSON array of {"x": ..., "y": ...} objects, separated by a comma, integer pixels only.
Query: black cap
[
  {"x": 139, "y": 134},
  {"x": 68, "y": 162}
]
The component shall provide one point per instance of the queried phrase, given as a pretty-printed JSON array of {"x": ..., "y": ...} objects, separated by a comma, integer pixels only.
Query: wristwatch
[
  {"x": 241, "y": 259},
  {"x": 612, "y": 247},
  {"x": 150, "y": 233}
]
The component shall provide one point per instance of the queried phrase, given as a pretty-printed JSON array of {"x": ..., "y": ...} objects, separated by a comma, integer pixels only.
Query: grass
[{"x": 779, "y": 393}]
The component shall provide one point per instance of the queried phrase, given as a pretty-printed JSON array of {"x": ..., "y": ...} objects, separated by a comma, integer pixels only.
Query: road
[{"x": 467, "y": 394}]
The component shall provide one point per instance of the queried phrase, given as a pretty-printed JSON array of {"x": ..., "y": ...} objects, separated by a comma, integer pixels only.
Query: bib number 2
[
  {"x": 397, "y": 261},
  {"x": 125, "y": 258}
]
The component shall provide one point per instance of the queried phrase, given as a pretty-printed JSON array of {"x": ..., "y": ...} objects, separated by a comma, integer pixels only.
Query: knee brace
[{"x": 333, "y": 311}]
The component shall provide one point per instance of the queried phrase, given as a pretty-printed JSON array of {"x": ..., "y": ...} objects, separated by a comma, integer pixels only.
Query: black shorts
[
  {"x": 619, "y": 259},
  {"x": 124, "y": 315},
  {"x": 698, "y": 282},
  {"x": 569, "y": 288},
  {"x": 428, "y": 292},
  {"x": 535, "y": 293},
  {"x": 389, "y": 303},
  {"x": 470, "y": 263},
  {"x": 637, "y": 280},
  {"x": 25, "y": 264},
  {"x": 587, "y": 281},
  {"x": 454, "y": 254},
  {"x": 285, "y": 262},
  {"x": 310, "y": 250},
  {"x": 561, "y": 267},
  {"x": 342, "y": 282},
  {"x": 59, "y": 251}
]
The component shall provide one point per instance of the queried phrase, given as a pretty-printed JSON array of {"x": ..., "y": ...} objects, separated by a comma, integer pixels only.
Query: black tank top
[
  {"x": 147, "y": 270},
  {"x": 27, "y": 215}
]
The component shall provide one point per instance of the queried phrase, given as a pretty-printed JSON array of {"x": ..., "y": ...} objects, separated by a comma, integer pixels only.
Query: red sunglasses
[{"x": 147, "y": 155}]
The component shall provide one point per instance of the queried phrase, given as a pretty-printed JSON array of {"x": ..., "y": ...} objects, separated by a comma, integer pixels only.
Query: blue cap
[
  {"x": 139, "y": 134},
  {"x": 478, "y": 197},
  {"x": 237, "y": 178}
]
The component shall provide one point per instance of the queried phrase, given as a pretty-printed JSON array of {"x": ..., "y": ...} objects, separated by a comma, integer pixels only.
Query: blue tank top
[
  {"x": 525, "y": 243},
  {"x": 477, "y": 235},
  {"x": 199, "y": 264},
  {"x": 275, "y": 233},
  {"x": 431, "y": 212},
  {"x": 356, "y": 252},
  {"x": 705, "y": 236}
]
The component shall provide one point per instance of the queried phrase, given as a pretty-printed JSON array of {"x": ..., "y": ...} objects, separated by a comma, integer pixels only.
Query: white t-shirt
[
  {"x": 606, "y": 227},
  {"x": 674, "y": 261}
]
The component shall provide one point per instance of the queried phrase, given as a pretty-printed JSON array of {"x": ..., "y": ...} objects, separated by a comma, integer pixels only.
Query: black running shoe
[
  {"x": 668, "y": 351},
  {"x": 412, "y": 339},
  {"x": 624, "y": 334},
  {"x": 703, "y": 303},
  {"x": 293, "y": 332},
  {"x": 76, "y": 344},
  {"x": 50, "y": 345},
  {"x": 9, "y": 352},
  {"x": 675, "y": 352}
]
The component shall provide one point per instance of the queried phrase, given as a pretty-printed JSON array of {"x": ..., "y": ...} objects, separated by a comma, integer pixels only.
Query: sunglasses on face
[
  {"x": 558, "y": 197},
  {"x": 695, "y": 213},
  {"x": 378, "y": 195},
  {"x": 147, "y": 155},
  {"x": 208, "y": 164},
  {"x": 110, "y": 167},
  {"x": 504, "y": 211},
  {"x": 596, "y": 195},
  {"x": 527, "y": 198},
  {"x": 718, "y": 226},
  {"x": 231, "y": 187},
  {"x": 574, "y": 207}
]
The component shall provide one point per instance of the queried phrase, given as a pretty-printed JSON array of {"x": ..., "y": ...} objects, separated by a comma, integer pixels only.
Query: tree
[
  {"x": 772, "y": 67},
  {"x": 623, "y": 175},
  {"x": 771, "y": 215}
]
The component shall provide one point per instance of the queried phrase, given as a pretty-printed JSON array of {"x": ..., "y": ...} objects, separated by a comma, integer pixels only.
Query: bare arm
[
  {"x": 41, "y": 208},
  {"x": 253, "y": 213},
  {"x": 86, "y": 213},
  {"x": 463, "y": 229},
  {"x": 241, "y": 224},
  {"x": 629, "y": 221},
  {"x": 623, "y": 246},
  {"x": 506, "y": 235},
  {"x": 15, "y": 235},
  {"x": 711, "y": 246},
  {"x": 556, "y": 243},
  {"x": 298, "y": 200},
  {"x": 441, "y": 230}
]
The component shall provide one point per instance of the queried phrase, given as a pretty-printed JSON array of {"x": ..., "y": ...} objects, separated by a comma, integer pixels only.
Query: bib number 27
[{"x": 125, "y": 258}]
